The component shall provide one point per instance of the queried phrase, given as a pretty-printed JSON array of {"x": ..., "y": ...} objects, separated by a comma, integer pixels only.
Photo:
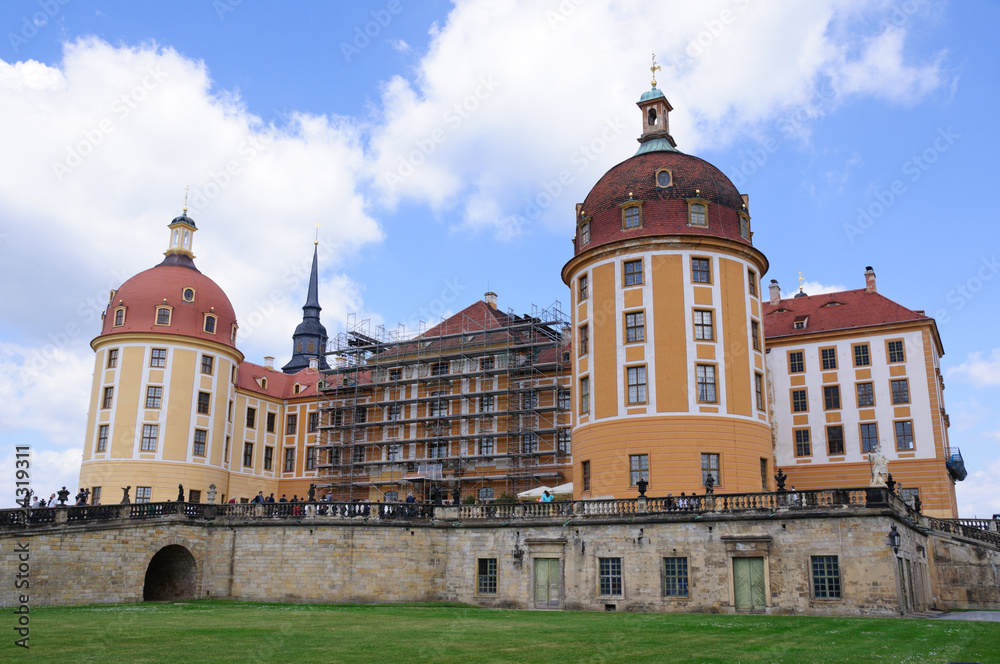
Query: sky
[{"x": 442, "y": 146}]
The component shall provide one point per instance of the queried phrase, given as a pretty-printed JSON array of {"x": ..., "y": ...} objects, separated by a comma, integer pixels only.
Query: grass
[{"x": 217, "y": 632}]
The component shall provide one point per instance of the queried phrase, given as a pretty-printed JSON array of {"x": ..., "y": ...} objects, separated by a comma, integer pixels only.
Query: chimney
[
  {"x": 775, "y": 292},
  {"x": 269, "y": 362},
  {"x": 491, "y": 299},
  {"x": 870, "y": 280}
]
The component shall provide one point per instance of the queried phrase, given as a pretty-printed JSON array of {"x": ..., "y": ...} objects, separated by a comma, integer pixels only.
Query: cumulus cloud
[
  {"x": 978, "y": 370},
  {"x": 813, "y": 288},
  {"x": 977, "y": 494}
]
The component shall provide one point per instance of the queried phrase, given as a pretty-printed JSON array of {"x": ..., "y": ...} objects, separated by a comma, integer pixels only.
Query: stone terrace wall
[{"x": 965, "y": 574}]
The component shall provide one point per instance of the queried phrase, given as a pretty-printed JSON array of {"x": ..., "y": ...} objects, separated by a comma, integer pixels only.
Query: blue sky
[{"x": 429, "y": 141}]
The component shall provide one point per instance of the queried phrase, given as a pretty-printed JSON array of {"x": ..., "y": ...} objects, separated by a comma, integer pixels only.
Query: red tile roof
[
  {"x": 279, "y": 385},
  {"x": 834, "y": 311}
]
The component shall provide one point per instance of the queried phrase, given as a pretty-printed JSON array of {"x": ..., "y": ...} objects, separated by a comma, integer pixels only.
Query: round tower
[
  {"x": 668, "y": 364},
  {"x": 163, "y": 387}
]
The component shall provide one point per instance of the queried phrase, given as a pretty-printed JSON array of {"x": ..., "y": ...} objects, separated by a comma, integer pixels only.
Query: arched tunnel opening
[{"x": 170, "y": 576}]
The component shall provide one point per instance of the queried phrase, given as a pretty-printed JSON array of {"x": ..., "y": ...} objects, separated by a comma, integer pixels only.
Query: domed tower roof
[{"x": 173, "y": 297}]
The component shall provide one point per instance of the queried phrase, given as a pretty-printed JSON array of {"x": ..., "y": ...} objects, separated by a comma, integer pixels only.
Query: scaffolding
[{"x": 478, "y": 402}]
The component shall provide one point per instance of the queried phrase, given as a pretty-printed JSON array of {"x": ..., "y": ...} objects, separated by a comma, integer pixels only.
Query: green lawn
[{"x": 216, "y": 632}]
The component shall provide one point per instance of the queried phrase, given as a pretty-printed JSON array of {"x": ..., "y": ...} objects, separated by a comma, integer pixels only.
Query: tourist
[
  {"x": 259, "y": 498},
  {"x": 283, "y": 499},
  {"x": 270, "y": 498}
]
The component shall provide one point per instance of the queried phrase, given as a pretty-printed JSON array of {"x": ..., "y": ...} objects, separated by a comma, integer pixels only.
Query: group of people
[{"x": 82, "y": 497}]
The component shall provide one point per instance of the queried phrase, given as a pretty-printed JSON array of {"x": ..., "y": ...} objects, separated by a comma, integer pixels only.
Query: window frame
[
  {"x": 103, "y": 432},
  {"x": 251, "y": 418},
  {"x": 486, "y": 576},
  {"x": 831, "y": 397},
  {"x": 585, "y": 395},
  {"x": 150, "y": 437},
  {"x": 631, "y": 276},
  {"x": 163, "y": 313},
  {"x": 204, "y": 405},
  {"x": 799, "y": 398},
  {"x": 700, "y": 369},
  {"x": 890, "y": 353},
  {"x": 796, "y": 361},
  {"x": 143, "y": 494},
  {"x": 830, "y": 441},
  {"x": 211, "y": 320},
  {"x": 312, "y": 455},
  {"x": 701, "y": 327},
  {"x": 907, "y": 435},
  {"x": 269, "y": 457},
  {"x": 635, "y": 377},
  {"x": 108, "y": 398},
  {"x": 112, "y": 362},
  {"x": 701, "y": 267},
  {"x": 759, "y": 393},
  {"x": 861, "y": 354},
  {"x": 119, "y": 317},
  {"x": 208, "y": 365},
  {"x": 866, "y": 448},
  {"x": 752, "y": 282},
  {"x": 585, "y": 475},
  {"x": 291, "y": 424},
  {"x": 870, "y": 396},
  {"x": 584, "y": 232},
  {"x": 635, "y": 326},
  {"x": 583, "y": 338},
  {"x": 828, "y": 358},
  {"x": 583, "y": 283},
  {"x": 289, "y": 462},
  {"x": 157, "y": 358},
  {"x": 803, "y": 442},
  {"x": 200, "y": 441},
  {"x": 675, "y": 577},
  {"x": 693, "y": 203},
  {"x": 638, "y": 468},
  {"x": 247, "y": 455},
  {"x": 826, "y": 583},
  {"x": 631, "y": 215},
  {"x": 755, "y": 334},
  {"x": 900, "y": 397},
  {"x": 154, "y": 396},
  {"x": 711, "y": 462},
  {"x": 610, "y": 582}
]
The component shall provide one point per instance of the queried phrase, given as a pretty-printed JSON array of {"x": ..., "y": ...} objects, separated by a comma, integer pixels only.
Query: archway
[{"x": 171, "y": 575}]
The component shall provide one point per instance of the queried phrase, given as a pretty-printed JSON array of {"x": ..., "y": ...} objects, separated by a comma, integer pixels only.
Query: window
[
  {"x": 636, "y": 384},
  {"x": 900, "y": 391},
  {"x": 529, "y": 443},
  {"x": 204, "y": 403},
  {"x": 831, "y": 397},
  {"x": 710, "y": 466},
  {"x": 584, "y": 233},
  {"x": 675, "y": 577},
  {"x": 564, "y": 399},
  {"x": 194, "y": 496},
  {"x": 487, "y": 363},
  {"x": 102, "y": 438},
  {"x": 835, "y": 440},
  {"x": 393, "y": 452},
  {"x": 904, "y": 435},
  {"x": 701, "y": 271},
  {"x": 290, "y": 458},
  {"x": 758, "y": 384},
  {"x": 664, "y": 178},
  {"x": 755, "y": 334},
  {"x": 638, "y": 467},
  {"x": 207, "y": 364},
  {"x": 635, "y": 326},
  {"x": 251, "y": 418},
  {"x": 763, "y": 474},
  {"x": 119, "y": 317},
  {"x": 802, "y": 446},
  {"x": 752, "y": 282},
  {"x": 633, "y": 273},
  {"x": 95, "y": 496},
  {"x": 705, "y": 374},
  {"x": 486, "y": 579},
  {"x": 486, "y": 446},
  {"x": 396, "y": 373},
  {"x": 188, "y": 294},
  {"x": 826, "y": 577},
  {"x": 828, "y": 358},
  {"x": 796, "y": 361},
  {"x": 800, "y": 401},
  {"x": 109, "y": 397},
  {"x": 143, "y": 494},
  {"x": 529, "y": 400},
  {"x": 584, "y": 395},
  {"x": 584, "y": 339},
  {"x": 154, "y": 394},
  {"x": 744, "y": 227},
  {"x": 439, "y": 369},
  {"x": 632, "y": 217},
  {"x": 210, "y": 324},
  {"x": 697, "y": 215},
  {"x": 610, "y": 576},
  {"x": 866, "y": 394},
  {"x": 895, "y": 351},
  {"x": 225, "y": 452},
  {"x": 869, "y": 437},
  {"x": 248, "y": 454},
  {"x": 232, "y": 335},
  {"x": 291, "y": 424},
  {"x": 563, "y": 441},
  {"x": 703, "y": 328},
  {"x": 311, "y": 457},
  {"x": 112, "y": 358},
  {"x": 486, "y": 403},
  {"x": 437, "y": 407},
  {"x": 269, "y": 422},
  {"x": 150, "y": 432},
  {"x": 908, "y": 496},
  {"x": 313, "y": 426},
  {"x": 437, "y": 450},
  {"x": 585, "y": 475},
  {"x": 162, "y": 316},
  {"x": 486, "y": 493},
  {"x": 200, "y": 436},
  {"x": 158, "y": 357},
  {"x": 358, "y": 455},
  {"x": 862, "y": 357},
  {"x": 268, "y": 458},
  {"x": 584, "y": 287}
]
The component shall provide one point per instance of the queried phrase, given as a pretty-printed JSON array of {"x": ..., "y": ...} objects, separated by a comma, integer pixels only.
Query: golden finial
[
  {"x": 316, "y": 241},
  {"x": 654, "y": 69},
  {"x": 801, "y": 279},
  {"x": 186, "y": 189}
]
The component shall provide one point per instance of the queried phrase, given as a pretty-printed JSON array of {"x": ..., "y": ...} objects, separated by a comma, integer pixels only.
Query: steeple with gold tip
[
  {"x": 182, "y": 230},
  {"x": 310, "y": 338},
  {"x": 655, "y": 120}
]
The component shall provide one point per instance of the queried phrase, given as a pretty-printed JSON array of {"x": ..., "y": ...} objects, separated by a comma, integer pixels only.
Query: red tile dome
[
  {"x": 664, "y": 208},
  {"x": 188, "y": 293}
]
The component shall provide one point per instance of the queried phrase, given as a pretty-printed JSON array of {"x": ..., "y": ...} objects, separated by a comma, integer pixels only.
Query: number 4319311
[{"x": 22, "y": 476}]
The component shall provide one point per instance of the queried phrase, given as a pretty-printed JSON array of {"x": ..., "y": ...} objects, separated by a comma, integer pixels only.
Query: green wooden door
[
  {"x": 547, "y": 583},
  {"x": 748, "y": 583}
]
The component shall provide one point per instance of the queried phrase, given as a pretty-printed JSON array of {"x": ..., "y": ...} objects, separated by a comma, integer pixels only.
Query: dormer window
[
  {"x": 698, "y": 214},
  {"x": 232, "y": 335},
  {"x": 163, "y": 315},
  {"x": 119, "y": 316},
  {"x": 263, "y": 383},
  {"x": 800, "y": 322},
  {"x": 631, "y": 214},
  {"x": 585, "y": 232},
  {"x": 744, "y": 225},
  {"x": 210, "y": 323},
  {"x": 296, "y": 388}
]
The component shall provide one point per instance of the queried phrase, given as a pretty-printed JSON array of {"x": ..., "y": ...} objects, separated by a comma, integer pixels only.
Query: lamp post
[{"x": 894, "y": 539}]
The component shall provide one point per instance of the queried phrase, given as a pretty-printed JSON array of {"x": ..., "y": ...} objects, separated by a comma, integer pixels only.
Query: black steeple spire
[{"x": 309, "y": 339}]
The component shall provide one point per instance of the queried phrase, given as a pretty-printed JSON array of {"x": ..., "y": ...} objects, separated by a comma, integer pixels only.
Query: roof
[
  {"x": 279, "y": 385},
  {"x": 834, "y": 311}
]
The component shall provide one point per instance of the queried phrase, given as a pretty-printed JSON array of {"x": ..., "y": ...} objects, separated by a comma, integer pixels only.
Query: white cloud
[
  {"x": 399, "y": 46},
  {"x": 49, "y": 471},
  {"x": 813, "y": 288},
  {"x": 977, "y": 494},
  {"x": 978, "y": 370}
]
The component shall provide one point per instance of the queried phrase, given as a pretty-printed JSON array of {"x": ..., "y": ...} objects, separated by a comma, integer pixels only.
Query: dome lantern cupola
[
  {"x": 655, "y": 119},
  {"x": 182, "y": 230}
]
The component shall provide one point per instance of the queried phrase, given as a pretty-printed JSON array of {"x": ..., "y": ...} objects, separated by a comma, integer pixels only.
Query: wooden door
[
  {"x": 748, "y": 583},
  {"x": 547, "y": 583}
]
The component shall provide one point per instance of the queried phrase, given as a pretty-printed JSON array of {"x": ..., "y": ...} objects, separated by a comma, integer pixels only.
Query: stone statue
[
  {"x": 710, "y": 484},
  {"x": 879, "y": 466},
  {"x": 456, "y": 495},
  {"x": 180, "y": 493},
  {"x": 780, "y": 479},
  {"x": 125, "y": 498},
  {"x": 211, "y": 493},
  {"x": 312, "y": 494}
]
